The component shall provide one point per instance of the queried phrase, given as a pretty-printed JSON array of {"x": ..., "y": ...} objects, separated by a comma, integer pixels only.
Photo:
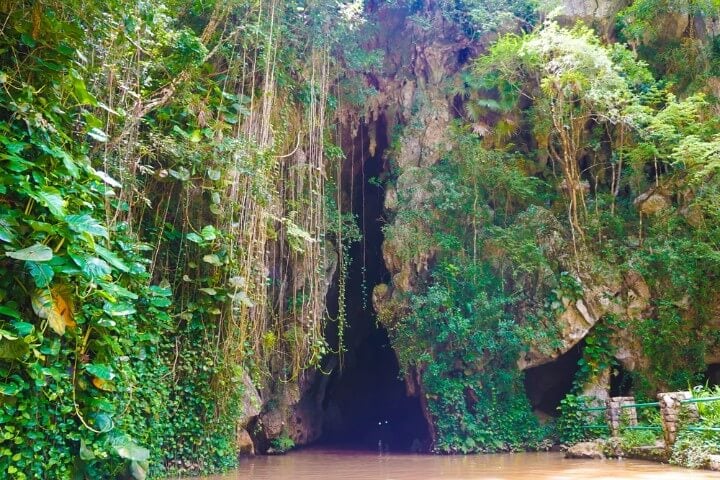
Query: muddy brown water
[{"x": 322, "y": 464}]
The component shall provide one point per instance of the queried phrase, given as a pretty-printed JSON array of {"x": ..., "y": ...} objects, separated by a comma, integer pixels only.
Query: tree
[{"x": 577, "y": 84}]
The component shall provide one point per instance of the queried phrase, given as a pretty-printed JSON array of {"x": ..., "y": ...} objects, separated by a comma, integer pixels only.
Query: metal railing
[
  {"x": 696, "y": 401},
  {"x": 636, "y": 406},
  {"x": 599, "y": 426},
  {"x": 645, "y": 405}
]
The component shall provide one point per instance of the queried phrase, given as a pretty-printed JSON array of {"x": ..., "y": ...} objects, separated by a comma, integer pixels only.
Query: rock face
[
  {"x": 627, "y": 297},
  {"x": 252, "y": 402},
  {"x": 295, "y": 412},
  {"x": 597, "y": 13},
  {"x": 245, "y": 443},
  {"x": 250, "y": 408},
  {"x": 410, "y": 91},
  {"x": 598, "y": 388}
]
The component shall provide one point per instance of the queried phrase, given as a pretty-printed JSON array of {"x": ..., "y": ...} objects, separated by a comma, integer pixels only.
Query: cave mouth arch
[
  {"x": 366, "y": 403},
  {"x": 547, "y": 384}
]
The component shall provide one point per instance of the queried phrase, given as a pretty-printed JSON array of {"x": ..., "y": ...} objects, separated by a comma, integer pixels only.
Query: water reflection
[{"x": 315, "y": 464}]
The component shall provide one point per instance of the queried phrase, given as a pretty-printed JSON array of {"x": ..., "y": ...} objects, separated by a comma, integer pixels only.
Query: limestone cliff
[{"x": 405, "y": 122}]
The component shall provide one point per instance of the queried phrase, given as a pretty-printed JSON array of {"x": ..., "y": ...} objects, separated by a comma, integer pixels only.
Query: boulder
[
  {"x": 245, "y": 444},
  {"x": 251, "y": 402},
  {"x": 586, "y": 450},
  {"x": 652, "y": 202},
  {"x": 273, "y": 423}
]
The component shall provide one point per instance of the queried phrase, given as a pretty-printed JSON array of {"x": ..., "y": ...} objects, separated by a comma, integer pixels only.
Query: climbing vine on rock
[{"x": 163, "y": 198}]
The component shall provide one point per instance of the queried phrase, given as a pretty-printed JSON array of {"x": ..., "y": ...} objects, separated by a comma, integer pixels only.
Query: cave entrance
[
  {"x": 366, "y": 405},
  {"x": 712, "y": 374},
  {"x": 547, "y": 384},
  {"x": 620, "y": 381}
]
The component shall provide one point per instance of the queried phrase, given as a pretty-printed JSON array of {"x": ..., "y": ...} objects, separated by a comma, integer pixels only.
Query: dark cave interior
[
  {"x": 620, "y": 381},
  {"x": 366, "y": 404},
  {"x": 547, "y": 384},
  {"x": 712, "y": 374}
]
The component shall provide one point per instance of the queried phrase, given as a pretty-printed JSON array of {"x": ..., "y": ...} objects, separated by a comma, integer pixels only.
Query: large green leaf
[
  {"x": 7, "y": 233},
  {"x": 120, "y": 309},
  {"x": 160, "y": 302},
  {"x": 35, "y": 253},
  {"x": 42, "y": 273},
  {"x": 209, "y": 233},
  {"x": 96, "y": 268},
  {"x": 117, "y": 291},
  {"x": 10, "y": 312},
  {"x": 242, "y": 298},
  {"x": 86, "y": 224},
  {"x": 16, "y": 164},
  {"x": 67, "y": 161},
  {"x": 52, "y": 199},
  {"x": 103, "y": 422},
  {"x": 9, "y": 389},
  {"x": 212, "y": 259},
  {"x": 13, "y": 349},
  {"x": 110, "y": 257},
  {"x": 107, "y": 178},
  {"x": 182, "y": 174},
  {"x": 125, "y": 447},
  {"x": 42, "y": 227},
  {"x": 85, "y": 453},
  {"x": 194, "y": 237},
  {"x": 61, "y": 154},
  {"x": 161, "y": 290},
  {"x": 23, "y": 328},
  {"x": 214, "y": 174},
  {"x": 98, "y": 135},
  {"x": 83, "y": 96},
  {"x": 100, "y": 370}
]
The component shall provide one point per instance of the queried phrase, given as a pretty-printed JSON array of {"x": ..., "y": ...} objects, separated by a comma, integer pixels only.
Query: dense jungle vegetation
[
  {"x": 147, "y": 175},
  {"x": 525, "y": 225},
  {"x": 172, "y": 217}
]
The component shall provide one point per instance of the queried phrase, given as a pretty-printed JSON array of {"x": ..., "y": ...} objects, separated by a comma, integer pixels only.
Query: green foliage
[
  {"x": 691, "y": 451},
  {"x": 693, "y": 448},
  {"x": 688, "y": 59},
  {"x": 573, "y": 420},
  {"x": 459, "y": 336},
  {"x": 658, "y": 144},
  {"x": 557, "y": 97},
  {"x": 598, "y": 353},
  {"x": 639, "y": 20},
  {"x": 630, "y": 439},
  {"x": 78, "y": 338},
  {"x": 152, "y": 219},
  {"x": 478, "y": 17},
  {"x": 120, "y": 266},
  {"x": 459, "y": 331},
  {"x": 282, "y": 444}
]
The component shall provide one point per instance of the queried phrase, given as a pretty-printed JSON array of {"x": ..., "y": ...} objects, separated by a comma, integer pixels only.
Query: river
[{"x": 322, "y": 464}]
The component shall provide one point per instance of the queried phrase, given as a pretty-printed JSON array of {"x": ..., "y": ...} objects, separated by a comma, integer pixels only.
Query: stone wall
[
  {"x": 673, "y": 412},
  {"x": 617, "y": 416}
]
